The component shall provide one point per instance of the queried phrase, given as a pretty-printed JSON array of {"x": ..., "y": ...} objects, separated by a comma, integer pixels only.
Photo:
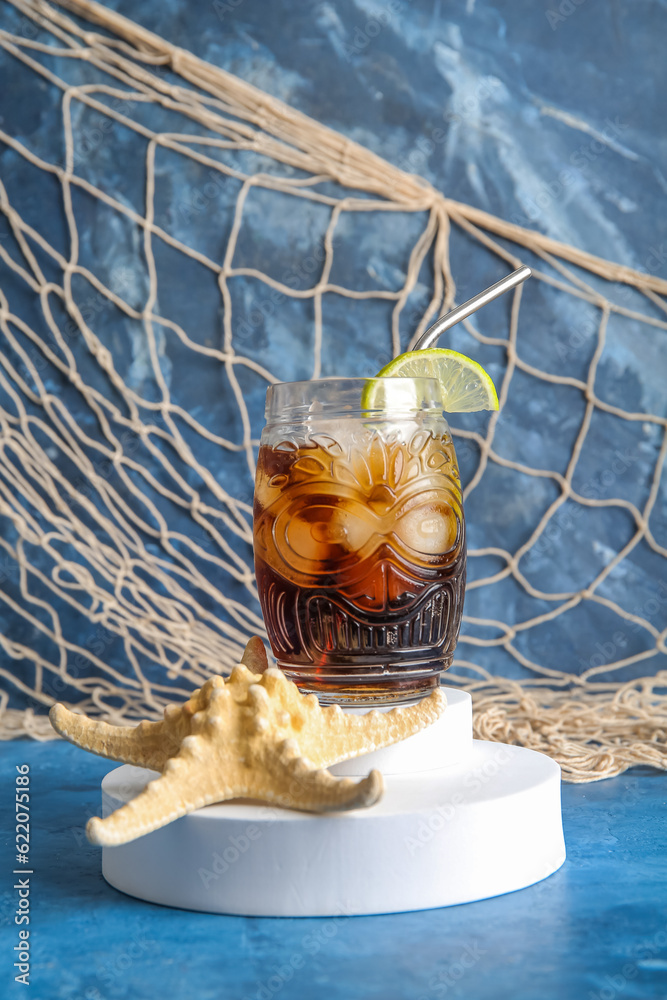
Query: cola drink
[{"x": 360, "y": 548}]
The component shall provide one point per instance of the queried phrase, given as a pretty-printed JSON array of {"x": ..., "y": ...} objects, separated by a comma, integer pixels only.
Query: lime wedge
[{"x": 464, "y": 384}]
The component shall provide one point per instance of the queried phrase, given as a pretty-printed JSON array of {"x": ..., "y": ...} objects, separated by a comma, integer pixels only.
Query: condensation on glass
[{"x": 359, "y": 538}]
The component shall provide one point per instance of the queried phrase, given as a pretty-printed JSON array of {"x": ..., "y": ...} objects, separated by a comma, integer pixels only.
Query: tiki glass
[{"x": 359, "y": 537}]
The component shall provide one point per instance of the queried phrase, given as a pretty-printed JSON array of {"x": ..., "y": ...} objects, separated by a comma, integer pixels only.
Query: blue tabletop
[{"x": 595, "y": 929}]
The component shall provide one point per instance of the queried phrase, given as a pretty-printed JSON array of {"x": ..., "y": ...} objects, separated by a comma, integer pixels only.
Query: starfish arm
[
  {"x": 147, "y": 745},
  {"x": 183, "y": 787},
  {"x": 254, "y": 656},
  {"x": 344, "y": 734},
  {"x": 296, "y": 785}
]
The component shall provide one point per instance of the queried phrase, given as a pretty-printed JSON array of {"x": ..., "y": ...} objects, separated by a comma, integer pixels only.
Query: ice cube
[
  {"x": 323, "y": 533},
  {"x": 352, "y": 526},
  {"x": 430, "y": 529},
  {"x": 302, "y": 538}
]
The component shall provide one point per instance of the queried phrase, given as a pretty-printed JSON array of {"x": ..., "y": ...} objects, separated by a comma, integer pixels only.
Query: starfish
[{"x": 252, "y": 735}]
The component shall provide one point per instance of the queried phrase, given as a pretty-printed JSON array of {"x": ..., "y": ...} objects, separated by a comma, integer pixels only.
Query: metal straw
[{"x": 430, "y": 337}]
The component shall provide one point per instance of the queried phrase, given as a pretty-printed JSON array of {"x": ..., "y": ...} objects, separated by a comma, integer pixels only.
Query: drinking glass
[{"x": 359, "y": 537}]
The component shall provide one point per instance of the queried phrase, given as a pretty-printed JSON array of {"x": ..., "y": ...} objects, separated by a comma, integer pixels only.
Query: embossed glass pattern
[{"x": 359, "y": 539}]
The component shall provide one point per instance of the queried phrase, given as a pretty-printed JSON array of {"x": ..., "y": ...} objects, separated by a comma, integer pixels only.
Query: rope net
[{"x": 128, "y": 432}]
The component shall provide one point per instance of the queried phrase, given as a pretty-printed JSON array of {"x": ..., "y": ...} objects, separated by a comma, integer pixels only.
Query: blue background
[
  {"x": 522, "y": 93},
  {"x": 550, "y": 119},
  {"x": 547, "y": 118}
]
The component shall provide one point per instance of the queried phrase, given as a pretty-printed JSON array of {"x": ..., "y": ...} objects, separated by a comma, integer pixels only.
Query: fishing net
[{"x": 148, "y": 182}]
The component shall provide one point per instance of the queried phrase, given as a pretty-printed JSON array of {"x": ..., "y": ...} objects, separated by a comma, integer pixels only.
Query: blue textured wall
[{"x": 550, "y": 116}]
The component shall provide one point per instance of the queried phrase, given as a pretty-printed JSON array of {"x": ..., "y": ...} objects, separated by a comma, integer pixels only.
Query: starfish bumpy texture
[{"x": 253, "y": 735}]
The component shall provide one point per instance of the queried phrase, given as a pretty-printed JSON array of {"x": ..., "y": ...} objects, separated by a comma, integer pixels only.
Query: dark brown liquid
[{"x": 360, "y": 562}]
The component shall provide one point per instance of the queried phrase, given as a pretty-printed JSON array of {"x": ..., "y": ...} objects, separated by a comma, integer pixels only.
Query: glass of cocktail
[{"x": 359, "y": 537}]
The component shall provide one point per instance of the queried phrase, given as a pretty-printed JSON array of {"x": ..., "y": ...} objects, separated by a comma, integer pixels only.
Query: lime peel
[{"x": 464, "y": 384}]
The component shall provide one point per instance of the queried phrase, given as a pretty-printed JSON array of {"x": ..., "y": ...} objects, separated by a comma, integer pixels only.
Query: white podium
[{"x": 460, "y": 820}]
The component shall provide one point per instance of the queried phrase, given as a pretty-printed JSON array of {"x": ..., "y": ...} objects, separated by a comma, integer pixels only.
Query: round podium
[{"x": 460, "y": 820}]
